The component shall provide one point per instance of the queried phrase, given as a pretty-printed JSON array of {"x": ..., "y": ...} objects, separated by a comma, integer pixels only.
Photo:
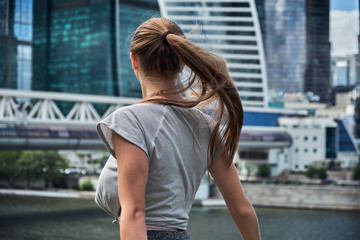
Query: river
[{"x": 55, "y": 219}]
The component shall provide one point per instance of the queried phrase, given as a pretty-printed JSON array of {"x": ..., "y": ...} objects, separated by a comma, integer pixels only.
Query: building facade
[
  {"x": 317, "y": 74},
  {"x": 82, "y": 46},
  {"x": 343, "y": 71},
  {"x": 296, "y": 41},
  {"x": 229, "y": 28},
  {"x": 283, "y": 26},
  {"x": 15, "y": 44}
]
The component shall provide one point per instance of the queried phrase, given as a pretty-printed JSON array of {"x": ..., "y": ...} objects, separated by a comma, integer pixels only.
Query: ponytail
[{"x": 163, "y": 50}]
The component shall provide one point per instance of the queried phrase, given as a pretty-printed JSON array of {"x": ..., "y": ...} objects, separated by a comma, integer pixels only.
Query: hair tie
[{"x": 165, "y": 34}]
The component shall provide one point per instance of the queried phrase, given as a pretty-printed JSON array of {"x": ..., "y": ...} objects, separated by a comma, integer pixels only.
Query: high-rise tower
[
  {"x": 82, "y": 46},
  {"x": 297, "y": 48},
  {"x": 15, "y": 43},
  {"x": 232, "y": 28},
  {"x": 317, "y": 74}
]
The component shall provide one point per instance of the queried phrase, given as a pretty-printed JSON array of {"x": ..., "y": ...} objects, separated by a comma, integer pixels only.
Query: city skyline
[{"x": 18, "y": 71}]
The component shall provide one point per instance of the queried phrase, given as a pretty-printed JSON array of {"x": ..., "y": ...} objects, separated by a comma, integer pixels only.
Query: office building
[
  {"x": 317, "y": 74},
  {"x": 15, "y": 44},
  {"x": 296, "y": 41},
  {"x": 231, "y": 29},
  {"x": 284, "y": 36},
  {"x": 82, "y": 46}
]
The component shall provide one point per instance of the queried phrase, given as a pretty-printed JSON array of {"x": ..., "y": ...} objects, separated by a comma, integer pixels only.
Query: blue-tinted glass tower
[
  {"x": 297, "y": 48},
  {"x": 15, "y": 43},
  {"x": 82, "y": 46}
]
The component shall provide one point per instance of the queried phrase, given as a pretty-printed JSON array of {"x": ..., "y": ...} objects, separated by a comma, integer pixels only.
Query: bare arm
[
  {"x": 241, "y": 210},
  {"x": 132, "y": 168}
]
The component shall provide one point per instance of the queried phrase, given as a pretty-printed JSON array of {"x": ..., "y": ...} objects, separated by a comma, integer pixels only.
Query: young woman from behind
[{"x": 161, "y": 147}]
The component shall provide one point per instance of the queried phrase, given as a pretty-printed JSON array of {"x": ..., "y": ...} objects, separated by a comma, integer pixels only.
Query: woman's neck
[{"x": 160, "y": 89}]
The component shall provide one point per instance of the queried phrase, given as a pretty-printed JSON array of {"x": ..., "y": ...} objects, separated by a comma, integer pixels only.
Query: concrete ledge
[
  {"x": 45, "y": 193},
  {"x": 304, "y": 197},
  {"x": 260, "y": 195}
]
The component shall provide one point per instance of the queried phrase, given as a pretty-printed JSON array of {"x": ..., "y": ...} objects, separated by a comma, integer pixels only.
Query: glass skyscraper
[
  {"x": 82, "y": 46},
  {"x": 15, "y": 43},
  {"x": 317, "y": 74},
  {"x": 230, "y": 28},
  {"x": 297, "y": 49},
  {"x": 284, "y": 36}
]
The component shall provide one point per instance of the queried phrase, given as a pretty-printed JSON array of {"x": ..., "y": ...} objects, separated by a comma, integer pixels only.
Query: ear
[{"x": 134, "y": 61}]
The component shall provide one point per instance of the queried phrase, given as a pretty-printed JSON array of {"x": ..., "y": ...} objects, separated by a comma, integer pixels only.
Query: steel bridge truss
[{"x": 35, "y": 107}]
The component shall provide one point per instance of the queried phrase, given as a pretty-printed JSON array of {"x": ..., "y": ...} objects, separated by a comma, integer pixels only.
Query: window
[
  {"x": 305, "y": 150},
  {"x": 305, "y": 138},
  {"x": 315, "y": 138}
]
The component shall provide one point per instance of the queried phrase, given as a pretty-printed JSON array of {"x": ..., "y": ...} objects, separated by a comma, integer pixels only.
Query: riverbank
[{"x": 321, "y": 197}]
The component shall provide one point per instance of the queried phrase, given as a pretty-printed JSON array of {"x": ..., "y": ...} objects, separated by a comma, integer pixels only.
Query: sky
[
  {"x": 344, "y": 27},
  {"x": 344, "y": 5}
]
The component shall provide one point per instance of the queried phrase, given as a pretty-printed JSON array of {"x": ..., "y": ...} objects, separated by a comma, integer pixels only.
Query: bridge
[{"x": 37, "y": 120}]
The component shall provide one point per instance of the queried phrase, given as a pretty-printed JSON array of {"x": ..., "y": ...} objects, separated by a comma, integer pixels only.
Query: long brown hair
[{"x": 162, "y": 50}]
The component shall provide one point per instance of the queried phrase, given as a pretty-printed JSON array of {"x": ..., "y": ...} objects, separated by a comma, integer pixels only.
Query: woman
[{"x": 162, "y": 146}]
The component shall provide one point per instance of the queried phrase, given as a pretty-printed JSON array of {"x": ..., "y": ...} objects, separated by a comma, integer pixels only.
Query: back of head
[
  {"x": 155, "y": 54},
  {"x": 162, "y": 50}
]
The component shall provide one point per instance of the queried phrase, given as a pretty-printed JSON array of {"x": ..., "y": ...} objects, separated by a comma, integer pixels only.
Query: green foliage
[
  {"x": 263, "y": 170},
  {"x": 311, "y": 172},
  {"x": 356, "y": 172},
  {"x": 31, "y": 165},
  {"x": 9, "y": 165},
  {"x": 87, "y": 185},
  {"x": 322, "y": 173}
]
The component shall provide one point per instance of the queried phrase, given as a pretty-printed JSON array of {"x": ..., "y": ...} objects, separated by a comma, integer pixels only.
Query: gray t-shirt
[{"x": 175, "y": 141}]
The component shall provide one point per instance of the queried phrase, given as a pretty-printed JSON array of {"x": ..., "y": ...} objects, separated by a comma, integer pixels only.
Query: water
[{"x": 51, "y": 218}]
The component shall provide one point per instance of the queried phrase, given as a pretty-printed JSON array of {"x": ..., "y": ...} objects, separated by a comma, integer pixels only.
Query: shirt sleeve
[{"x": 125, "y": 123}]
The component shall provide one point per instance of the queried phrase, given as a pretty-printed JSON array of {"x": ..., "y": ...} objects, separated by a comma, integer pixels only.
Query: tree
[
  {"x": 356, "y": 172},
  {"x": 30, "y": 166},
  {"x": 52, "y": 162},
  {"x": 9, "y": 164},
  {"x": 44, "y": 165},
  {"x": 311, "y": 172},
  {"x": 321, "y": 173},
  {"x": 263, "y": 170}
]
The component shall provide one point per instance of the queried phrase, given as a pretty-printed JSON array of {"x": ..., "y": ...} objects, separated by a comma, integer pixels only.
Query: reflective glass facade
[
  {"x": 345, "y": 142},
  {"x": 283, "y": 25},
  {"x": 296, "y": 41},
  {"x": 131, "y": 15},
  {"x": 15, "y": 43},
  {"x": 317, "y": 75},
  {"x": 81, "y": 46},
  {"x": 331, "y": 143}
]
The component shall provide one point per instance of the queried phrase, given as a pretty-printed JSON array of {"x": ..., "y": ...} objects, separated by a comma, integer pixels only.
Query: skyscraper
[
  {"x": 81, "y": 46},
  {"x": 15, "y": 43},
  {"x": 284, "y": 36},
  {"x": 296, "y": 41},
  {"x": 317, "y": 74},
  {"x": 232, "y": 29}
]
